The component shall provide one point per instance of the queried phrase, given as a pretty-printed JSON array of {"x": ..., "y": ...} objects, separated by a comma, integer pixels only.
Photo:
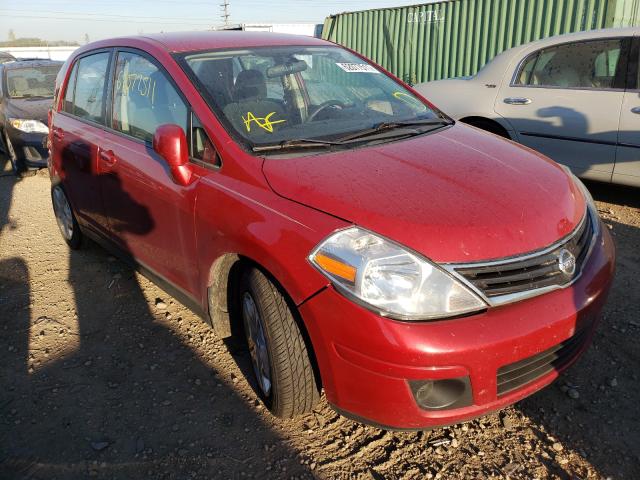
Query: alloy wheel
[
  {"x": 257, "y": 341},
  {"x": 62, "y": 210}
]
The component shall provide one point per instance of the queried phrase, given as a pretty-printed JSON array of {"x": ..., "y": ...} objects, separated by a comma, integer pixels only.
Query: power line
[
  {"x": 225, "y": 12},
  {"x": 93, "y": 14},
  {"x": 89, "y": 19}
]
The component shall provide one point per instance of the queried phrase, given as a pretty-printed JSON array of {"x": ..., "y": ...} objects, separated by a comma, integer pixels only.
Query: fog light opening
[
  {"x": 442, "y": 394},
  {"x": 32, "y": 154}
]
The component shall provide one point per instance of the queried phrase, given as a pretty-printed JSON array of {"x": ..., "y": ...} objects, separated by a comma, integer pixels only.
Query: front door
[
  {"x": 565, "y": 100},
  {"x": 151, "y": 217}
]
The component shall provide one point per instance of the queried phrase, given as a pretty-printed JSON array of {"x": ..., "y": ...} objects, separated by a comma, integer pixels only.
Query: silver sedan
[{"x": 575, "y": 98}]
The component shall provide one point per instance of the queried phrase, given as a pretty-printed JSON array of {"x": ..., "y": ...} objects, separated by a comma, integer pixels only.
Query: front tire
[
  {"x": 281, "y": 361},
  {"x": 65, "y": 218},
  {"x": 16, "y": 166}
]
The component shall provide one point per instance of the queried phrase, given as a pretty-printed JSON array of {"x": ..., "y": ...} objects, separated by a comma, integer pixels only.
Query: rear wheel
[
  {"x": 281, "y": 361},
  {"x": 65, "y": 218}
]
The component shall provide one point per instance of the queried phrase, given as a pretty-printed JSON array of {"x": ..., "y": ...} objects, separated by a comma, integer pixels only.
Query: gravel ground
[{"x": 104, "y": 375}]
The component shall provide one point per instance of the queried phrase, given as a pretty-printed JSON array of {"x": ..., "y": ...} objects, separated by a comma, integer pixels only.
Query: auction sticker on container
[{"x": 357, "y": 68}]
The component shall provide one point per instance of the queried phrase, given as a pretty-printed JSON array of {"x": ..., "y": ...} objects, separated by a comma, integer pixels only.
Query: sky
[{"x": 71, "y": 20}]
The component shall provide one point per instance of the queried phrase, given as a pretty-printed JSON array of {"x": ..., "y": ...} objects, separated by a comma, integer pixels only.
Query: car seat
[
  {"x": 252, "y": 112},
  {"x": 18, "y": 86}
]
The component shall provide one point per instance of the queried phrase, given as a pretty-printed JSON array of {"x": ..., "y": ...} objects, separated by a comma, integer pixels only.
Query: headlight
[
  {"x": 390, "y": 279},
  {"x": 29, "y": 126}
]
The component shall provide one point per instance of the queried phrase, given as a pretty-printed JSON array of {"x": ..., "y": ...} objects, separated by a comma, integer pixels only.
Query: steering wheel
[{"x": 324, "y": 106}]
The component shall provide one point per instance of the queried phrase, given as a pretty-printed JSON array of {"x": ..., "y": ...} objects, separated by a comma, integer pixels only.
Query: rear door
[
  {"x": 150, "y": 216},
  {"x": 565, "y": 102},
  {"x": 77, "y": 132}
]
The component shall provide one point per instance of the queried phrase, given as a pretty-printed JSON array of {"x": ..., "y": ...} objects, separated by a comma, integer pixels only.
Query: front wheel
[
  {"x": 65, "y": 218},
  {"x": 13, "y": 157},
  {"x": 281, "y": 361}
]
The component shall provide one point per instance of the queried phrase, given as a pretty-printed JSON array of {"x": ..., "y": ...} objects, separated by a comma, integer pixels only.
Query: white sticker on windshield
[{"x": 357, "y": 68}]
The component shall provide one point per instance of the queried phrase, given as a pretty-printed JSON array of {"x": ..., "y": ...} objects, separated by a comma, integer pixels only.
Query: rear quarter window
[
  {"x": 87, "y": 100},
  {"x": 67, "y": 106}
]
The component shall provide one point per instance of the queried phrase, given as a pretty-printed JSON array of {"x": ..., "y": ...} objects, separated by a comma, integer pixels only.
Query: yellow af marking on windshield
[
  {"x": 263, "y": 122},
  {"x": 409, "y": 99}
]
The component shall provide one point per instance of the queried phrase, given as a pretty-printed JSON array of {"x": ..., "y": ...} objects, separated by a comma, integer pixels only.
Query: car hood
[
  {"x": 29, "y": 108},
  {"x": 458, "y": 195}
]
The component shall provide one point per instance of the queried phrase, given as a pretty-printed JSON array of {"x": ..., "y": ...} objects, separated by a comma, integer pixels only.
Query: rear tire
[
  {"x": 66, "y": 218},
  {"x": 281, "y": 361}
]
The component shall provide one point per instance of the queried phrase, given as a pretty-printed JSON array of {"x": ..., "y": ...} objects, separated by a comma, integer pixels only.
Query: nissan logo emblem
[{"x": 566, "y": 262}]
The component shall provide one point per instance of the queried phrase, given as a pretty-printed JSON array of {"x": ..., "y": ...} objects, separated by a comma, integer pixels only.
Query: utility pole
[{"x": 225, "y": 12}]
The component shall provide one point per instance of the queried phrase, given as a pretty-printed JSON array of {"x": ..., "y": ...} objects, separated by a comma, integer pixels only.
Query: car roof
[
  {"x": 496, "y": 67},
  {"x": 177, "y": 42},
  {"x": 576, "y": 36}
]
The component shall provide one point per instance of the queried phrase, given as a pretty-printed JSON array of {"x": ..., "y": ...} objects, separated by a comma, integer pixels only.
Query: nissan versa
[{"x": 420, "y": 271}]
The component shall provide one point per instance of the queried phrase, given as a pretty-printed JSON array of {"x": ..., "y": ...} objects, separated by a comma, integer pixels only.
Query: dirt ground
[{"x": 104, "y": 375}]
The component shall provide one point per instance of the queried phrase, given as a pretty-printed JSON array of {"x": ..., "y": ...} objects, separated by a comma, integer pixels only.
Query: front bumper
[
  {"x": 29, "y": 147},
  {"x": 366, "y": 361}
]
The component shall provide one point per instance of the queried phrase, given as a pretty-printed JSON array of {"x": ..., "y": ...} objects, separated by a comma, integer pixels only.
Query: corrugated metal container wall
[
  {"x": 455, "y": 38},
  {"x": 624, "y": 13}
]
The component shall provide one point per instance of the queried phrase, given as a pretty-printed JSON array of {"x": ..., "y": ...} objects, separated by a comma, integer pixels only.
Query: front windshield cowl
[{"x": 286, "y": 97}]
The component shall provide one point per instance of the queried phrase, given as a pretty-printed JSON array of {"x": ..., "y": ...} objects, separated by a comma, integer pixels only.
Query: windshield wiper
[
  {"x": 381, "y": 127},
  {"x": 385, "y": 126},
  {"x": 297, "y": 143}
]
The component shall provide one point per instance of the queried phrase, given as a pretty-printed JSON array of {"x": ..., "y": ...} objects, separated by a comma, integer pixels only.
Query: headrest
[{"x": 250, "y": 84}]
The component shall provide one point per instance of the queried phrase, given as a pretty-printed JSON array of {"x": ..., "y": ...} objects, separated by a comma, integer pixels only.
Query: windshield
[
  {"x": 32, "y": 81},
  {"x": 271, "y": 95}
]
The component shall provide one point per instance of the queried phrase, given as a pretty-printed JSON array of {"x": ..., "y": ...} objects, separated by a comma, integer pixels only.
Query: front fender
[{"x": 248, "y": 220}]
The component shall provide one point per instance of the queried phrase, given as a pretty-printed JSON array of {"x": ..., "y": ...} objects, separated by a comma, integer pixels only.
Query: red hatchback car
[{"x": 420, "y": 271}]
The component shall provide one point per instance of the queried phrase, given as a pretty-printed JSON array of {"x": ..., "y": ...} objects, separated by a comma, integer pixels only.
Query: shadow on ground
[{"x": 110, "y": 387}]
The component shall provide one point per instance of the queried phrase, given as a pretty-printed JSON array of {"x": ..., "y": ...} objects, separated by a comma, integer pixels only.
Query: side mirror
[{"x": 170, "y": 142}]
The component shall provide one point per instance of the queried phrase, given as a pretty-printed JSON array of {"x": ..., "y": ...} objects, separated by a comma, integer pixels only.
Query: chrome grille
[{"x": 531, "y": 272}]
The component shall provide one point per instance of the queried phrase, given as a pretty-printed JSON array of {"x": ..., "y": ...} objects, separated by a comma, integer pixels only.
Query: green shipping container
[{"x": 455, "y": 38}]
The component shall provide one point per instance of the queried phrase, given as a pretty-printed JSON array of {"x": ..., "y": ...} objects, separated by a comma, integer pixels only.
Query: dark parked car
[
  {"x": 6, "y": 57},
  {"x": 26, "y": 93}
]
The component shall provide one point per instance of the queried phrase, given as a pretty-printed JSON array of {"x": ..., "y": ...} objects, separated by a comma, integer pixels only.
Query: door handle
[
  {"x": 107, "y": 158},
  {"x": 517, "y": 101},
  {"x": 636, "y": 110}
]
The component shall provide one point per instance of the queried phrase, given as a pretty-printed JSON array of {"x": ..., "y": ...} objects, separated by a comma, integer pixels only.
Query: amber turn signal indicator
[{"x": 335, "y": 267}]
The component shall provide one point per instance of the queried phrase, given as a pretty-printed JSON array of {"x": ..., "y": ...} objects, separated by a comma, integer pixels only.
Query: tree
[
  {"x": 86, "y": 38},
  {"x": 12, "y": 35}
]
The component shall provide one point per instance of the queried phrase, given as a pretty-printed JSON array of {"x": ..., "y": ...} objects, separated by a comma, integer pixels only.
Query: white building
[{"x": 51, "y": 53}]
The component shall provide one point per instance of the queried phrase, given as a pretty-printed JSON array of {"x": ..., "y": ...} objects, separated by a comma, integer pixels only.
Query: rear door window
[
  {"x": 593, "y": 64},
  {"x": 89, "y": 93},
  {"x": 144, "y": 99}
]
